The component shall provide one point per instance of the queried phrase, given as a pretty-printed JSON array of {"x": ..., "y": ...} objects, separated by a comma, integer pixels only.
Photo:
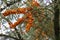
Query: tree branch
[
  {"x": 20, "y": 38},
  {"x": 8, "y": 5},
  {"x": 56, "y": 20},
  {"x": 9, "y": 36}
]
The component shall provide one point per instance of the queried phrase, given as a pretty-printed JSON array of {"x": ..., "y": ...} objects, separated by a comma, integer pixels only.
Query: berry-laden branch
[
  {"x": 19, "y": 20},
  {"x": 26, "y": 11},
  {"x": 16, "y": 11},
  {"x": 30, "y": 21},
  {"x": 21, "y": 10}
]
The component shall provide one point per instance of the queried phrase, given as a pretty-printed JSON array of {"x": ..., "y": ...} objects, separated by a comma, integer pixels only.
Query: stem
[{"x": 56, "y": 21}]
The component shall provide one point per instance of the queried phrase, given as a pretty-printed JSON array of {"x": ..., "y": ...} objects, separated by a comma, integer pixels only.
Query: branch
[
  {"x": 20, "y": 38},
  {"x": 8, "y": 5},
  {"x": 9, "y": 36},
  {"x": 56, "y": 20}
]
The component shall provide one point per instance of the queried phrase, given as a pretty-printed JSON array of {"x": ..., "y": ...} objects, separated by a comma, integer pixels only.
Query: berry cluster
[{"x": 26, "y": 11}]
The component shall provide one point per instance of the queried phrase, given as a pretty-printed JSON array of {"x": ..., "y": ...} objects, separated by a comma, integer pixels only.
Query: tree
[{"x": 36, "y": 23}]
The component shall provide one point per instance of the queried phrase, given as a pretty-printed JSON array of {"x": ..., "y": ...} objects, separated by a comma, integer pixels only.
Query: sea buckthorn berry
[
  {"x": 6, "y": 13},
  {"x": 29, "y": 8},
  {"x": 18, "y": 21},
  {"x": 30, "y": 21},
  {"x": 35, "y": 3},
  {"x": 29, "y": 14},
  {"x": 13, "y": 11},
  {"x": 28, "y": 26},
  {"x": 21, "y": 10},
  {"x": 12, "y": 26}
]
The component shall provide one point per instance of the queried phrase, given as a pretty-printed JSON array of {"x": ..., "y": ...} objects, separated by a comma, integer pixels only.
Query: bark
[{"x": 56, "y": 20}]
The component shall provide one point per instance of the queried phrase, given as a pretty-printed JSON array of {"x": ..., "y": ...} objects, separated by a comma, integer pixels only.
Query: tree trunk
[{"x": 56, "y": 20}]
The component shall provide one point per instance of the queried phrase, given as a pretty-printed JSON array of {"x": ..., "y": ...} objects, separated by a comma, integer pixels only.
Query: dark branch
[
  {"x": 9, "y": 36},
  {"x": 56, "y": 21},
  {"x": 8, "y": 5},
  {"x": 20, "y": 38}
]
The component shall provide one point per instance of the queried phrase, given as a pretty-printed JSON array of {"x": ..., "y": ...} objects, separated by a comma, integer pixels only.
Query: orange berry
[
  {"x": 35, "y": 3},
  {"x": 30, "y": 21},
  {"x": 27, "y": 29},
  {"x": 6, "y": 13},
  {"x": 18, "y": 21},
  {"x": 29, "y": 15},
  {"x": 28, "y": 26},
  {"x": 12, "y": 26},
  {"x": 28, "y": 8},
  {"x": 13, "y": 11},
  {"x": 21, "y": 10}
]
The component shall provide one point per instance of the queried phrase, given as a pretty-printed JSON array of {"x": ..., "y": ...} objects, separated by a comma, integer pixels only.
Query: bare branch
[{"x": 9, "y": 36}]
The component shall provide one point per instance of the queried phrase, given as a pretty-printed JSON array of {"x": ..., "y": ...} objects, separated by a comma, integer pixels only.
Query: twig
[
  {"x": 20, "y": 38},
  {"x": 8, "y": 5},
  {"x": 9, "y": 36}
]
